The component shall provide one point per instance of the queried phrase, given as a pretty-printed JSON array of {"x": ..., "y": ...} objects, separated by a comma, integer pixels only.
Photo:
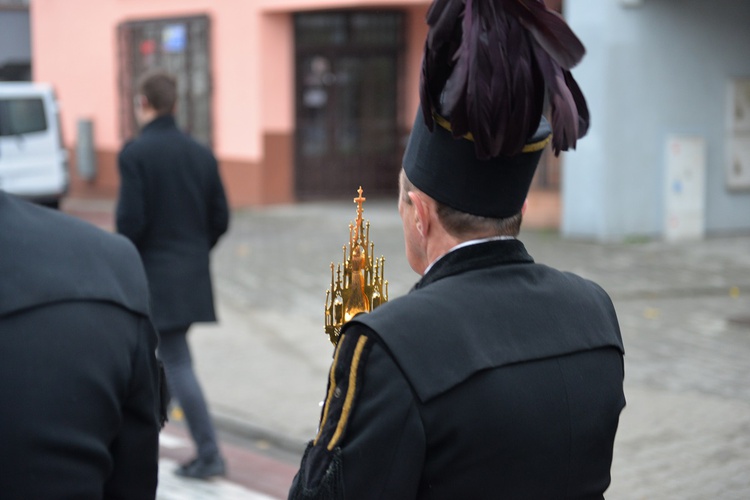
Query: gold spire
[{"x": 357, "y": 286}]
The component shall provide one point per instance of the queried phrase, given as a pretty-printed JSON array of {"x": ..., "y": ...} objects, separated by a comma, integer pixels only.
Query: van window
[{"x": 22, "y": 116}]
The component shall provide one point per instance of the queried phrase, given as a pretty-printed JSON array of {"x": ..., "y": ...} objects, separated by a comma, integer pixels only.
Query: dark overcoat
[
  {"x": 495, "y": 377},
  {"x": 78, "y": 373},
  {"x": 173, "y": 207}
]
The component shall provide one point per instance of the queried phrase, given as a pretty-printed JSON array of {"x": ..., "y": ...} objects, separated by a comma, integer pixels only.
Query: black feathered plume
[{"x": 487, "y": 67}]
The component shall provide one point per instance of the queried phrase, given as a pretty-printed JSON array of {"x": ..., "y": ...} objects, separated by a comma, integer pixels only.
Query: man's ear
[
  {"x": 523, "y": 208},
  {"x": 421, "y": 212},
  {"x": 143, "y": 102}
]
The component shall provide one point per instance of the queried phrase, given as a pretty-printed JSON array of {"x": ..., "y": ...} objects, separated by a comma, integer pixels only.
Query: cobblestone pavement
[{"x": 685, "y": 433}]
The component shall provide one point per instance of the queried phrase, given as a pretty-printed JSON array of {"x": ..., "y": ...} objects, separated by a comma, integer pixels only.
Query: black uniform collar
[
  {"x": 486, "y": 254},
  {"x": 162, "y": 122}
]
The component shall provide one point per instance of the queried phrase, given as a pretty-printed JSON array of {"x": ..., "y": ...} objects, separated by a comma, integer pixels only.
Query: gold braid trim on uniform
[
  {"x": 331, "y": 390},
  {"x": 349, "y": 393}
]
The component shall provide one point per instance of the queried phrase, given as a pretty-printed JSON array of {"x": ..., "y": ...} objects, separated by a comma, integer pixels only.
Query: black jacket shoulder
[
  {"x": 49, "y": 256},
  {"x": 489, "y": 309}
]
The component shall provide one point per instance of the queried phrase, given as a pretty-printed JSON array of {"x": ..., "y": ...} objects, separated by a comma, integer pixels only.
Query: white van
[{"x": 33, "y": 161}]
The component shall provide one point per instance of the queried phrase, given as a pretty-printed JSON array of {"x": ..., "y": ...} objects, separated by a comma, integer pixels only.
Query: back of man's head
[
  {"x": 160, "y": 89},
  {"x": 462, "y": 225}
]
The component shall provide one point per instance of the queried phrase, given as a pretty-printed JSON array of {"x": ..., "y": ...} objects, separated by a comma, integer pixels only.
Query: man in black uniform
[
  {"x": 79, "y": 381},
  {"x": 173, "y": 207},
  {"x": 495, "y": 377}
]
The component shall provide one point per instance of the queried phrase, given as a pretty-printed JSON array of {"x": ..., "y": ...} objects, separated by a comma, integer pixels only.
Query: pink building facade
[
  {"x": 245, "y": 74},
  {"x": 299, "y": 99}
]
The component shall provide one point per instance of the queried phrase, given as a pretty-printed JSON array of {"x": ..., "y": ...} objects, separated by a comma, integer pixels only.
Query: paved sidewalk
[
  {"x": 172, "y": 487},
  {"x": 251, "y": 474},
  {"x": 684, "y": 434}
]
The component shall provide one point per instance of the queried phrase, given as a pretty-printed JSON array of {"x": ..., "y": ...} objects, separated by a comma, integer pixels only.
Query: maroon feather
[
  {"x": 549, "y": 30},
  {"x": 440, "y": 45},
  {"x": 488, "y": 65},
  {"x": 455, "y": 86},
  {"x": 425, "y": 98},
  {"x": 527, "y": 91},
  {"x": 441, "y": 17},
  {"x": 564, "y": 112},
  {"x": 581, "y": 106}
]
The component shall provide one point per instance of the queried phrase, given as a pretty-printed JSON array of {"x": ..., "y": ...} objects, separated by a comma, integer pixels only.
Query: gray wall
[
  {"x": 15, "y": 40},
  {"x": 656, "y": 69}
]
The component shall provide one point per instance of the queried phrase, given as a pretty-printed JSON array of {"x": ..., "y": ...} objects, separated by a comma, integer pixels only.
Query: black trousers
[{"x": 174, "y": 352}]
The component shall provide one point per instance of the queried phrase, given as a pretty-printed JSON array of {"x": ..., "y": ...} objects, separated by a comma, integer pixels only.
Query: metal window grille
[{"x": 179, "y": 46}]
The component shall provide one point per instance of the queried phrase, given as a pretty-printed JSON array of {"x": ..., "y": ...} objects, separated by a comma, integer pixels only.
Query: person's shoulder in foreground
[
  {"x": 55, "y": 257},
  {"x": 78, "y": 360}
]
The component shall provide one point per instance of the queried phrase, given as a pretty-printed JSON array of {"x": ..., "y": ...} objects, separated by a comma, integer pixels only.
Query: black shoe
[{"x": 200, "y": 468}]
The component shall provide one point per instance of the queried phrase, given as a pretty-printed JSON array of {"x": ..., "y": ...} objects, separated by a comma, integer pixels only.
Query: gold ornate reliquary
[{"x": 357, "y": 284}]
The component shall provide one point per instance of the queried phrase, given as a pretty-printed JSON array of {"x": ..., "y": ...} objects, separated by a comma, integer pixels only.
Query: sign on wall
[
  {"x": 685, "y": 188},
  {"x": 738, "y": 136}
]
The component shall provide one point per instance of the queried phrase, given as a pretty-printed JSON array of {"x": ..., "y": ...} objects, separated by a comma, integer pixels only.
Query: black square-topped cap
[{"x": 447, "y": 169}]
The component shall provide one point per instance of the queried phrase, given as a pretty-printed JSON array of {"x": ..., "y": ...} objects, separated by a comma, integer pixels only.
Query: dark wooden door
[{"x": 346, "y": 103}]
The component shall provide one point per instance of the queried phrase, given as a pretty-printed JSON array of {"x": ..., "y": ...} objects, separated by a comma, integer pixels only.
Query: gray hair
[{"x": 464, "y": 225}]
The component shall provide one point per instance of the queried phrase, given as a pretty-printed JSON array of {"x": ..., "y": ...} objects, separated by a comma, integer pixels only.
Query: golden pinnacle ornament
[{"x": 357, "y": 284}]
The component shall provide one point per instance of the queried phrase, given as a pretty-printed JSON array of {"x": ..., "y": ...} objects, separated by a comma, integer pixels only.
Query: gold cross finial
[{"x": 359, "y": 200}]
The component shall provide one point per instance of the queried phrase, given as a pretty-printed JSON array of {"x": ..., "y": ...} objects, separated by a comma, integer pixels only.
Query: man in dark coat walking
[
  {"x": 495, "y": 377},
  {"x": 79, "y": 381},
  {"x": 172, "y": 205}
]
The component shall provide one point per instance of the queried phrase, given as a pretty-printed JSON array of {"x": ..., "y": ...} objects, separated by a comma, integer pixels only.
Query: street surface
[
  {"x": 255, "y": 471},
  {"x": 683, "y": 310}
]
